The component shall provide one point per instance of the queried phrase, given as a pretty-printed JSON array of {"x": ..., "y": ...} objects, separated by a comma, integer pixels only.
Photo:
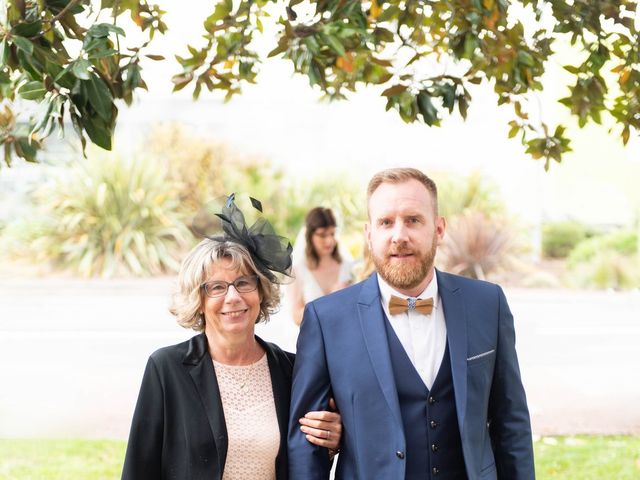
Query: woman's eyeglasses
[{"x": 219, "y": 288}]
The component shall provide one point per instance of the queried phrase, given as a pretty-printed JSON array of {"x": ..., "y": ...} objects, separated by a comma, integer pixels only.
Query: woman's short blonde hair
[{"x": 198, "y": 266}]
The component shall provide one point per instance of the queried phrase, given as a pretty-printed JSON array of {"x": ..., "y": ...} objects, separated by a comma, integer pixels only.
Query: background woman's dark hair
[{"x": 318, "y": 217}]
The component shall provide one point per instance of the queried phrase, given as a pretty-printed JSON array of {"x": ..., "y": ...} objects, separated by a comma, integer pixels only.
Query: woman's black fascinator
[{"x": 269, "y": 251}]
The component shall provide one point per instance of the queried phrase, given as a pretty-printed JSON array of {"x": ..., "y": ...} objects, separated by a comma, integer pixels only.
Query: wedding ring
[{"x": 328, "y": 434}]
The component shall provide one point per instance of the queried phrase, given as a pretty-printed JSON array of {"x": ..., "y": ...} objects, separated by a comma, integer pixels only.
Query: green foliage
[
  {"x": 339, "y": 46},
  {"x": 204, "y": 170},
  {"x": 559, "y": 238},
  {"x": 607, "y": 261},
  {"x": 608, "y": 269},
  {"x": 457, "y": 195},
  {"x": 110, "y": 216},
  {"x": 197, "y": 166},
  {"x": 36, "y": 64},
  {"x": 624, "y": 242}
]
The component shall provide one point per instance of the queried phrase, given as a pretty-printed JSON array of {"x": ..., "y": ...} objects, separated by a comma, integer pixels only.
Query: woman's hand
[{"x": 323, "y": 428}]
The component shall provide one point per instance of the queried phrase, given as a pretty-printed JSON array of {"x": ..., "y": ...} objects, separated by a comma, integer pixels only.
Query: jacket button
[
  {"x": 435, "y": 470},
  {"x": 432, "y": 400},
  {"x": 434, "y": 447},
  {"x": 400, "y": 455},
  {"x": 433, "y": 424}
]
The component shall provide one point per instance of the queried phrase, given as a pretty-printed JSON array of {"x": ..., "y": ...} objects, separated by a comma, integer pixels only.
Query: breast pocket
[
  {"x": 479, "y": 376},
  {"x": 482, "y": 357}
]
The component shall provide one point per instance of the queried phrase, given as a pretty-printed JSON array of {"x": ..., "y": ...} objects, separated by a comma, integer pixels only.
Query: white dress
[{"x": 309, "y": 285}]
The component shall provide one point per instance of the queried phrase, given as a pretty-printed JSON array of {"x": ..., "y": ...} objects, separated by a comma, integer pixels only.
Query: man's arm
[
  {"x": 310, "y": 392},
  {"x": 510, "y": 428}
]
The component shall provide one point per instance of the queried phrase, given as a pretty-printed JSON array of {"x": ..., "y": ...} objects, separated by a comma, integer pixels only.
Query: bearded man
[{"x": 422, "y": 364}]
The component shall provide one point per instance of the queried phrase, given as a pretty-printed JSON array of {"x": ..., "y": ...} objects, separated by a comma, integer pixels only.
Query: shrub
[
  {"x": 624, "y": 242},
  {"x": 609, "y": 269},
  {"x": 110, "y": 216},
  {"x": 559, "y": 238},
  {"x": 476, "y": 246},
  {"x": 473, "y": 193},
  {"x": 196, "y": 165}
]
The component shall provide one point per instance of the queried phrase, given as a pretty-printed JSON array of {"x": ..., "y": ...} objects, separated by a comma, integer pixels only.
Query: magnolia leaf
[
  {"x": 27, "y": 29},
  {"x": 394, "y": 90},
  {"x": 32, "y": 91},
  {"x": 99, "y": 97},
  {"x": 98, "y": 131},
  {"x": 4, "y": 52},
  {"x": 28, "y": 151},
  {"x": 428, "y": 111},
  {"x": 81, "y": 68},
  {"x": 23, "y": 44}
]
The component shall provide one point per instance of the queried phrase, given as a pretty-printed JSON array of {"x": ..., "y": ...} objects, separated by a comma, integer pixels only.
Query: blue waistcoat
[{"x": 429, "y": 418}]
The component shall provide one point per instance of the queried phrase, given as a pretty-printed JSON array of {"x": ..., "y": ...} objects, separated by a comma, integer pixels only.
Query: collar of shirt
[{"x": 386, "y": 291}]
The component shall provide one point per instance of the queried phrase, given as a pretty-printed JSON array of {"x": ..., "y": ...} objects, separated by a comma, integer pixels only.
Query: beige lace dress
[{"x": 250, "y": 416}]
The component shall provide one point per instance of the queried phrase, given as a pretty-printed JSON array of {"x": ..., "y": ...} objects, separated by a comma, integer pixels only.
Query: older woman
[
  {"x": 322, "y": 268},
  {"x": 216, "y": 406}
]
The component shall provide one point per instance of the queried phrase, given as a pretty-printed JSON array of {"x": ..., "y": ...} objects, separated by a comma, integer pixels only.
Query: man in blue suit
[{"x": 422, "y": 364}]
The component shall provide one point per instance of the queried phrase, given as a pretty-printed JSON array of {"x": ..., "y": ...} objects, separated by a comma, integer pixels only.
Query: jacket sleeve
[
  {"x": 309, "y": 392},
  {"x": 143, "y": 460},
  {"x": 510, "y": 426}
]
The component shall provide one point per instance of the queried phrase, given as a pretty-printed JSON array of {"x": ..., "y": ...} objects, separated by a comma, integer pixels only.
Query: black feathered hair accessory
[{"x": 269, "y": 251}]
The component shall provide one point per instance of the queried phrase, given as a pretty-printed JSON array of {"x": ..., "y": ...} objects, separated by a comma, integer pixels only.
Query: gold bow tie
[{"x": 400, "y": 305}]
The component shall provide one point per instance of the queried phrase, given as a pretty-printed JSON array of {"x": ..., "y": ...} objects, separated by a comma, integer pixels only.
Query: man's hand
[{"x": 323, "y": 428}]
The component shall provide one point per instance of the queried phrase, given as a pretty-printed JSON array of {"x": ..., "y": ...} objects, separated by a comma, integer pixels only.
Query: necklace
[
  {"x": 237, "y": 376},
  {"x": 244, "y": 382}
]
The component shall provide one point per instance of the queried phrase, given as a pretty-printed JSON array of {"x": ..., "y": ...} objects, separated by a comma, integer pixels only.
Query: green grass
[
  {"x": 587, "y": 457},
  {"x": 61, "y": 459},
  {"x": 557, "y": 458}
]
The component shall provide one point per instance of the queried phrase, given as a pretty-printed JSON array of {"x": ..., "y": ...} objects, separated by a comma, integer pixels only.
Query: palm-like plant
[
  {"x": 111, "y": 216},
  {"x": 476, "y": 245}
]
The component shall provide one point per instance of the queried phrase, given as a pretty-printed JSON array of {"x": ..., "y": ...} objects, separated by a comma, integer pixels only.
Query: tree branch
[{"x": 54, "y": 19}]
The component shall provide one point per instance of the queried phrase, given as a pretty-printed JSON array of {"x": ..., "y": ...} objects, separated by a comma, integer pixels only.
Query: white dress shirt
[{"x": 424, "y": 337}]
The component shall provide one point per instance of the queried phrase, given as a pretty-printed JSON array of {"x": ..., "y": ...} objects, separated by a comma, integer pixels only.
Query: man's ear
[{"x": 441, "y": 227}]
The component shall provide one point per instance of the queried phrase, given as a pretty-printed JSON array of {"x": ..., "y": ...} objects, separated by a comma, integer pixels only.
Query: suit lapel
[
  {"x": 456, "y": 321},
  {"x": 375, "y": 337},
  {"x": 201, "y": 369}
]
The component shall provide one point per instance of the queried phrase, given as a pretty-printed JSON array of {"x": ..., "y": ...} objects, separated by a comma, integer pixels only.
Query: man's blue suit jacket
[{"x": 343, "y": 351}]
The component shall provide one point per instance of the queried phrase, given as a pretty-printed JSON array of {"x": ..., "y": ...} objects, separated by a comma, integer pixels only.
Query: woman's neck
[
  {"x": 243, "y": 350},
  {"x": 325, "y": 260}
]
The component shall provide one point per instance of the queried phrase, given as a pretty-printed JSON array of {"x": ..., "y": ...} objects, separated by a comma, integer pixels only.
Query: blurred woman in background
[{"x": 322, "y": 268}]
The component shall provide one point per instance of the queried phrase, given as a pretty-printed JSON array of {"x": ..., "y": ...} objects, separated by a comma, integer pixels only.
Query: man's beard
[{"x": 401, "y": 275}]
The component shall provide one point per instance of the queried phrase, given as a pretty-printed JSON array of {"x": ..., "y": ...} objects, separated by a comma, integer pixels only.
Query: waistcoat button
[
  {"x": 434, "y": 447},
  {"x": 432, "y": 400},
  {"x": 400, "y": 454}
]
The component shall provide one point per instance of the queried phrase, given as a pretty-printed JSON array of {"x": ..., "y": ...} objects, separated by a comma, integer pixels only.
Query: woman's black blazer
[{"x": 178, "y": 429}]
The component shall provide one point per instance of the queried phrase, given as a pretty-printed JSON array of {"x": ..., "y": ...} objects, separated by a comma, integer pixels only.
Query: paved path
[{"x": 72, "y": 353}]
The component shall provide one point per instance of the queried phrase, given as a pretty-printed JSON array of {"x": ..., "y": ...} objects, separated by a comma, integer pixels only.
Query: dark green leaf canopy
[{"x": 338, "y": 45}]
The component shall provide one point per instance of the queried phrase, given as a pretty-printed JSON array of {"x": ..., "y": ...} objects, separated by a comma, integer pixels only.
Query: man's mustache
[{"x": 402, "y": 250}]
